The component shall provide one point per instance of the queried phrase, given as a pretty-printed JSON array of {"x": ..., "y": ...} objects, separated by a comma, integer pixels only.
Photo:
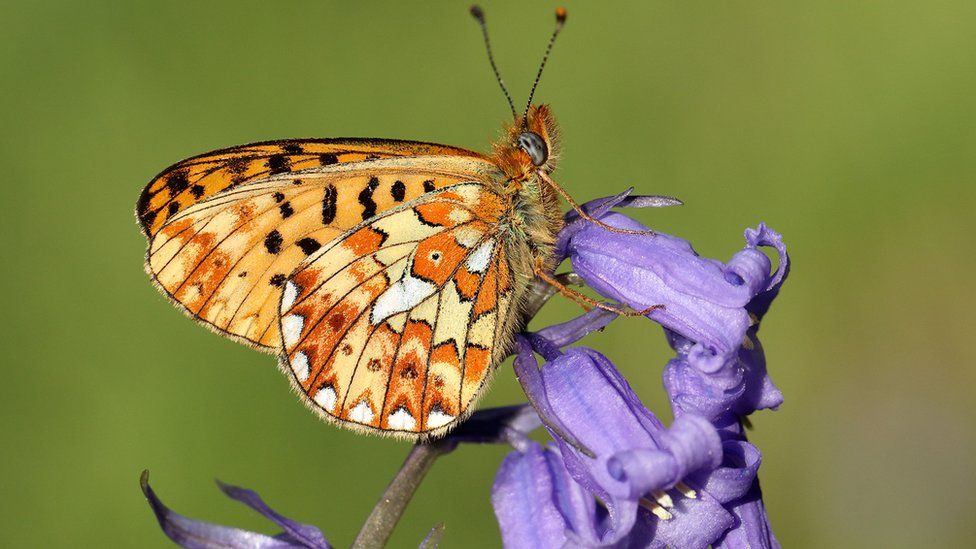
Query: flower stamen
[
  {"x": 686, "y": 490},
  {"x": 653, "y": 507},
  {"x": 663, "y": 498}
]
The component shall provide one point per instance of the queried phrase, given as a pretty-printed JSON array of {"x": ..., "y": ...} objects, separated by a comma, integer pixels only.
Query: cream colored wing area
[
  {"x": 394, "y": 326},
  {"x": 225, "y": 259}
]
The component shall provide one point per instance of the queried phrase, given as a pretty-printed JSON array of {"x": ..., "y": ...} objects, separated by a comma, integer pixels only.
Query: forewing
[
  {"x": 396, "y": 325},
  {"x": 224, "y": 259},
  {"x": 200, "y": 177}
]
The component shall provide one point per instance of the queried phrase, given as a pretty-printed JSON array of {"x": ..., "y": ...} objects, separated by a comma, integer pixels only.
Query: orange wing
[
  {"x": 395, "y": 326},
  {"x": 200, "y": 177},
  {"x": 225, "y": 252}
]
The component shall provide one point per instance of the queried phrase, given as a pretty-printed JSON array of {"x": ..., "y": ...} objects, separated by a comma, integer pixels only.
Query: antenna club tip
[
  {"x": 477, "y": 12},
  {"x": 560, "y": 15}
]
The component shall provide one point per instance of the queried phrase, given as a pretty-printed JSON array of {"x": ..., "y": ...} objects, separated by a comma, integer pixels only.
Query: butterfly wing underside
[
  {"x": 245, "y": 218},
  {"x": 395, "y": 326}
]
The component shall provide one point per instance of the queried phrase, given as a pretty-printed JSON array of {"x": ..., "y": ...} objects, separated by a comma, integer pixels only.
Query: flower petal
[
  {"x": 576, "y": 329},
  {"x": 751, "y": 529},
  {"x": 305, "y": 534},
  {"x": 689, "y": 445},
  {"x": 701, "y": 302},
  {"x": 740, "y": 463},
  {"x": 524, "y": 500},
  {"x": 433, "y": 538},
  {"x": 527, "y": 372},
  {"x": 196, "y": 534}
]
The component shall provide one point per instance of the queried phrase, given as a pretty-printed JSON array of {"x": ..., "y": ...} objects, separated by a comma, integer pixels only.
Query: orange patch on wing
[
  {"x": 407, "y": 378},
  {"x": 177, "y": 228},
  {"x": 441, "y": 395},
  {"x": 440, "y": 213},
  {"x": 436, "y": 258},
  {"x": 364, "y": 241},
  {"x": 487, "y": 299},
  {"x": 446, "y": 353},
  {"x": 476, "y": 363},
  {"x": 208, "y": 276},
  {"x": 450, "y": 195},
  {"x": 245, "y": 212},
  {"x": 467, "y": 283},
  {"x": 504, "y": 274}
]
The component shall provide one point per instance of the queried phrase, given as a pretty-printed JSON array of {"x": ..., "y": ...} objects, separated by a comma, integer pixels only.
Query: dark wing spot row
[{"x": 366, "y": 198}]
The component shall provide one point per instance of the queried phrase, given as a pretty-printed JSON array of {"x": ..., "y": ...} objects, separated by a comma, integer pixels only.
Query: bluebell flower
[
  {"x": 617, "y": 453},
  {"x": 711, "y": 309},
  {"x": 711, "y": 316}
]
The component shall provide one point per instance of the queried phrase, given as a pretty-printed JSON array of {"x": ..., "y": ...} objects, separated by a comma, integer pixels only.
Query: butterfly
[{"x": 387, "y": 275}]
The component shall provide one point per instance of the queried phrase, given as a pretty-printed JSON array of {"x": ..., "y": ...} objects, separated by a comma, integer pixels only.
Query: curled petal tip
[{"x": 144, "y": 481}]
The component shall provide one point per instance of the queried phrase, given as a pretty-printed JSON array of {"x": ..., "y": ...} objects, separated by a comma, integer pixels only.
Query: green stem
[{"x": 378, "y": 528}]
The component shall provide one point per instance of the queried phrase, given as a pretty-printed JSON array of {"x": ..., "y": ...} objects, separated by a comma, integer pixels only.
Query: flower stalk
[{"x": 378, "y": 528}]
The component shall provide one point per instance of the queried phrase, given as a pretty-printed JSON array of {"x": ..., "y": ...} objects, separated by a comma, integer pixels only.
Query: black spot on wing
[
  {"x": 329, "y": 204},
  {"x": 286, "y": 210},
  {"x": 237, "y": 167},
  {"x": 366, "y": 198},
  {"x": 278, "y": 163},
  {"x": 273, "y": 241},
  {"x": 147, "y": 218},
  {"x": 309, "y": 245},
  {"x": 177, "y": 182},
  {"x": 278, "y": 197},
  {"x": 429, "y": 185},
  {"x": 197, "y": 191},
  {"x": 293, "y": 148},
  {"x": 277, "y": 280},
  {"x": 173, "y": 208},
  {"x": 398, "y": 191},
  {"x": 327, "y": 159}
]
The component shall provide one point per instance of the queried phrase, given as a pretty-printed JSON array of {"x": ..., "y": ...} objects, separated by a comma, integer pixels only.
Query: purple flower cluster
[{"x": 616, "y": 476}]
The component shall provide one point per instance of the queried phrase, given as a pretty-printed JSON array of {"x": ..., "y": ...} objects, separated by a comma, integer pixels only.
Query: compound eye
[{"x": 534, "y": 146}]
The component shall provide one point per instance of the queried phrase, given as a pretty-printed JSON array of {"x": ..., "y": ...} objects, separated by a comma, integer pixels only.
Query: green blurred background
[{"x": 850, "y": 127}]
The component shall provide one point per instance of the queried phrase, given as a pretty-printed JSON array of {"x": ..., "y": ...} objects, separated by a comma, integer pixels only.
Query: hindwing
[{"x": 395, "y": 326}]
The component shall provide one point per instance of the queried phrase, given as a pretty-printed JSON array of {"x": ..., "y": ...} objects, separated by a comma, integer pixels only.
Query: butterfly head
[{"x": 532, "y": 136}]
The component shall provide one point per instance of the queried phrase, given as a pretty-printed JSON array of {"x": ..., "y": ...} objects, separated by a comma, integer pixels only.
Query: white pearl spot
[
  {"x": 437, "y": 418},
  {"x": 326, "y": 398},
  {"x": 402, "y": 420},
  {"x": 288, "y": 298},
  {"x": 478, "y": 260},
  {"x": 291, "y": 329},
  {"x": 362, "y": 413},
  {"x": 299, "y": 365}
]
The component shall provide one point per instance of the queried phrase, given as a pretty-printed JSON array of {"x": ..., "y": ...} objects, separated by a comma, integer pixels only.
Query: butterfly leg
[
  {"x": 585, "y": 301},
  {"x": 582, "y": 213}
]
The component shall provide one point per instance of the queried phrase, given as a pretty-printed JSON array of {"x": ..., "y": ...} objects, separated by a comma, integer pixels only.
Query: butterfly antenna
[
  {"x": 479, "y": 16},
  {"x": 560, "y": 21}
]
